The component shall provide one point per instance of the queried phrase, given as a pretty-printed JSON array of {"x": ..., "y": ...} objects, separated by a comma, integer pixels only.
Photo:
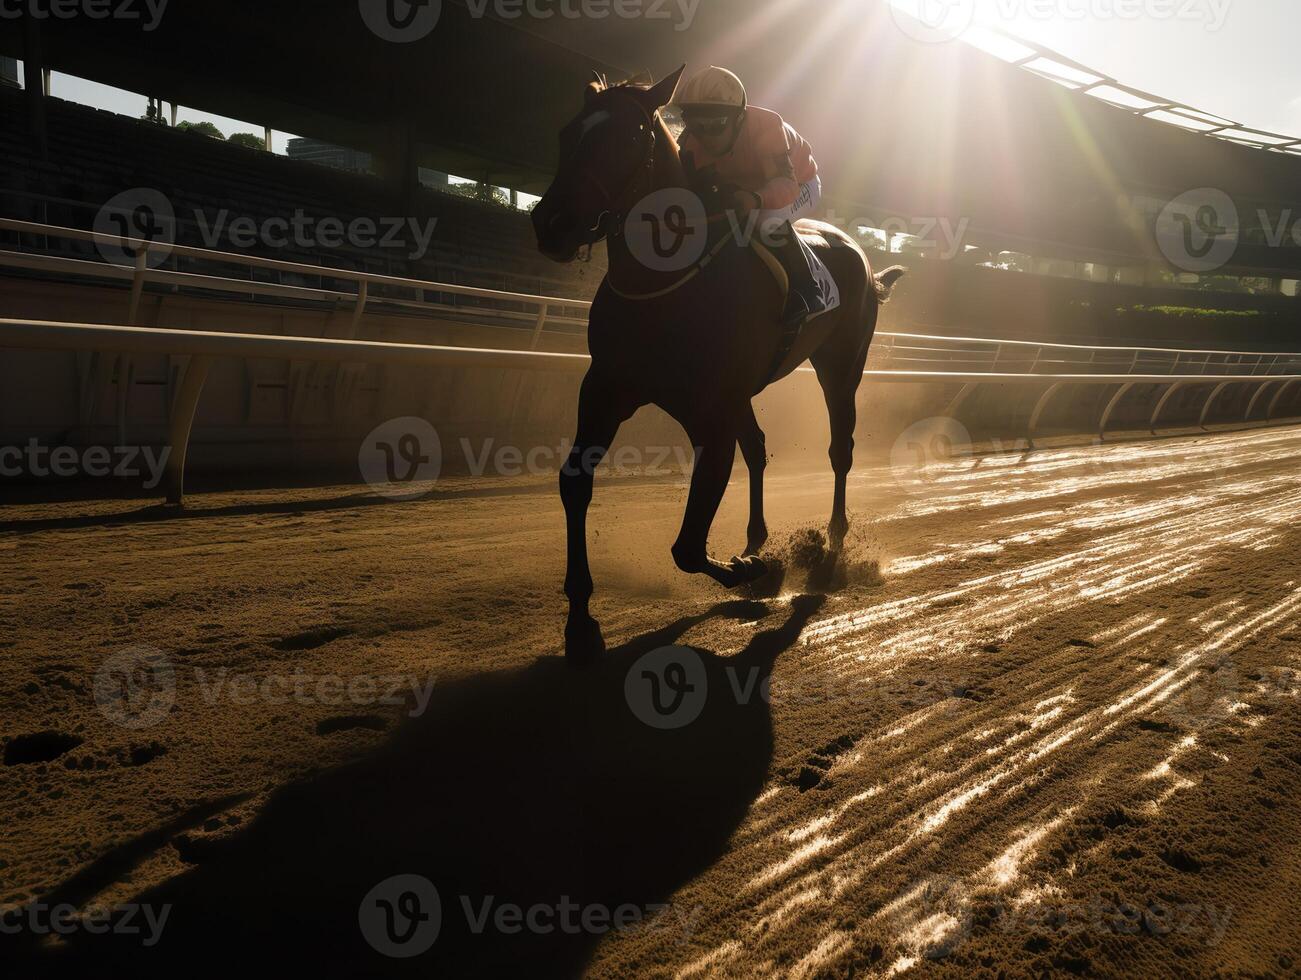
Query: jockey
[{"x": 770, "y": 164}]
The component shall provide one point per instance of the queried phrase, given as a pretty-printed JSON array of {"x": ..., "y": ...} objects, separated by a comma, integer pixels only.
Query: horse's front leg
[
  {"x": 715, "y": 451},
  {"x": 602, "y": 408},
  {"x": 755, "y": 451}
]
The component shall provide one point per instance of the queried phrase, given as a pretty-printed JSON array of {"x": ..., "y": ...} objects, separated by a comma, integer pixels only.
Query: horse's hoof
[
  {"x": 746, "y": 569},
  {"x": 583, "y": 642}
]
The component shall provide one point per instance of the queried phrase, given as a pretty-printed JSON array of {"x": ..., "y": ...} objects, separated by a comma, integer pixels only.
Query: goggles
[{"x": 708, "y": 121}]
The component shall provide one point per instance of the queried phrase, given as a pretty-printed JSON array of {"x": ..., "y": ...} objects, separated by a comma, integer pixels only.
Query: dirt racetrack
[{"x": 1043, "y": 719}]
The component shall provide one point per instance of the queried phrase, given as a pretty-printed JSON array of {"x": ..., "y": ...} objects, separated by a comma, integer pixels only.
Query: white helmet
[{"x": 713, "y": 87}]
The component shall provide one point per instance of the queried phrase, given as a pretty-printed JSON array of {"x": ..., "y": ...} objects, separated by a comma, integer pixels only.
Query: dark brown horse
[{"x": 698, "y": 342}]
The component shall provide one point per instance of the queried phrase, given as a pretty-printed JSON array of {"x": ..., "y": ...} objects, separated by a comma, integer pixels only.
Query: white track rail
[
  {"x": 896, "y": 357},
  {"x": 204, "y": 346}
]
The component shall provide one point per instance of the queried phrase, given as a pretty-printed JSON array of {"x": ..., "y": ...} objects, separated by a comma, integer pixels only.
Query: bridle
[{"x": 616, "y": 205}]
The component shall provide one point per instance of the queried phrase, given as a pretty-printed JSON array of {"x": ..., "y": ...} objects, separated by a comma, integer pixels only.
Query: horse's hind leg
[
  {"x": 715, "y": 452},
  {"x": 755, "y": 452},
  {"x": 602, "y": 408}
]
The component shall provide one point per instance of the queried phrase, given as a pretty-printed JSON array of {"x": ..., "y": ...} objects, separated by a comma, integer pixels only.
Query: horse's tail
[{"x": 884, "y": 282}]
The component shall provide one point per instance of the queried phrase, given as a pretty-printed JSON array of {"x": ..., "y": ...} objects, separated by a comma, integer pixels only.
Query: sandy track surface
[{"x": 1043, "y": 716}]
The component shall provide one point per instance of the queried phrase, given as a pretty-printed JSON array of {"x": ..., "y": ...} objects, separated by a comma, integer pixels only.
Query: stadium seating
[{"x": 94, "y": 155}]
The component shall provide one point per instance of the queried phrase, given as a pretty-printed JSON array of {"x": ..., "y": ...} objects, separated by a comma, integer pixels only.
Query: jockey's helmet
[{"x": 715, "y": 88}]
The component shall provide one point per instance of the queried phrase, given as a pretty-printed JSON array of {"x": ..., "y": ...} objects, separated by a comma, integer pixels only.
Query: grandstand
[{"x": 1068, "y": 254}]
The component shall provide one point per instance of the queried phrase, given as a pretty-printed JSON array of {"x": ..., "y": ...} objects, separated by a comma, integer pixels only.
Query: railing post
[
  {"x": 1206, "y": 409},
  {"x": 182, "y": 423},
  {"x": 1273, "y": 403},
  {"x": 1161, "y": 404},
  {"x": 1260, "y": 390},
  {"x": 138, "y": 285},
  {"x": 1111, "y": 407},
  {"x": 1039, "y": 410},
  {"x": 538, "y": 325}
]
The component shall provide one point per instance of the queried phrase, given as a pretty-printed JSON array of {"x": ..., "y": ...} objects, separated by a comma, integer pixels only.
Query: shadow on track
[{"x": 532, "y": 787}]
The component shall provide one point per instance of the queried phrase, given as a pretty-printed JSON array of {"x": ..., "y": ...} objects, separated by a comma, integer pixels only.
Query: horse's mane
[{"x": 641, "y": 81}]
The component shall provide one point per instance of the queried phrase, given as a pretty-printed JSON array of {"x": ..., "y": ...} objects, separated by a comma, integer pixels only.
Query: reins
[{"x": 619, "y": 214}]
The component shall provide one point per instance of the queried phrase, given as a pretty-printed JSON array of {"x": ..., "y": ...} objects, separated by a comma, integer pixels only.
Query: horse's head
[{"x": 605, "y": 154}]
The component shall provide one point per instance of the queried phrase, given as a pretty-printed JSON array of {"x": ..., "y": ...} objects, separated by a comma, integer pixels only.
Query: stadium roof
[{"x": 1031, "y": 150}]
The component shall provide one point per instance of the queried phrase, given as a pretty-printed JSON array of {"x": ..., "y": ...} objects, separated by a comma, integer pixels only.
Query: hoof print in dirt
[
  {"x": 26, "y": 750},
  {"x": 347, "y": 723},
  {"x": 1181, "y": 860},
  {"x": 814, "y": 771},
  {"x": 311, "y": 639}
]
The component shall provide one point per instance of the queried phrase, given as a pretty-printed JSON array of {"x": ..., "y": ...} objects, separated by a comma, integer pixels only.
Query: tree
[
  {"x": 202, "y": 128},
  {"x": 251, "y": 140},
  {"x": 479, "y": 192}
]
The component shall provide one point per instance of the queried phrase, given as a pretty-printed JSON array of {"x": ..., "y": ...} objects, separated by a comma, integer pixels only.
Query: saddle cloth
[{"x": 821, "y": 275}]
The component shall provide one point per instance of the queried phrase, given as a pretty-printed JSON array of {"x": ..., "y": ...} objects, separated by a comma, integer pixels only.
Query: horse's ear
[{"x": 661, "y": 94}]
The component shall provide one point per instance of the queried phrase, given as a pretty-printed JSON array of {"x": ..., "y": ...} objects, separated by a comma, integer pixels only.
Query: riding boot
[{"x": 804, "y": 299}]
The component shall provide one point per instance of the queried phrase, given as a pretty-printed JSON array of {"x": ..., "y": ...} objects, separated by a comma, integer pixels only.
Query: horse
[{"x": 698, "y": 343}]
